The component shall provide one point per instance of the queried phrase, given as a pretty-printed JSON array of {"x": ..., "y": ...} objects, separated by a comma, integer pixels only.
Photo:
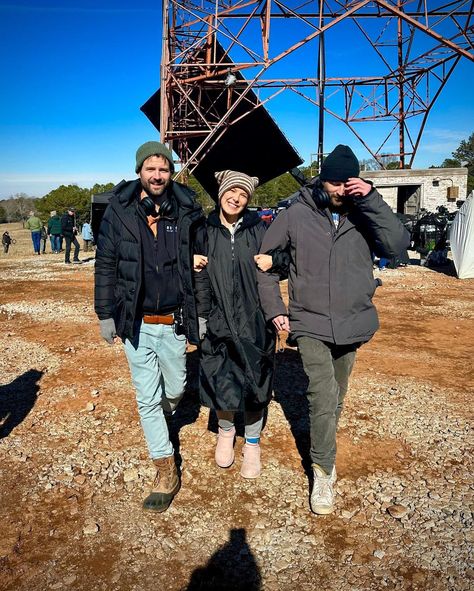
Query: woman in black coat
[{"x": 237, "y": 351}]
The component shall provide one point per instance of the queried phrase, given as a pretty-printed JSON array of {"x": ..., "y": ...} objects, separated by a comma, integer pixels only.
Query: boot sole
[
  {"x": 246, "y": 476},
  {"x": 163, "y": 508},
  {"x": 226, "y": 465},
  {"x": 322, "y": 510}
]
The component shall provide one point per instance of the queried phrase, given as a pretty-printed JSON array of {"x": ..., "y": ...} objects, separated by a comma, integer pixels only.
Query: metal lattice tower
[{"x": 242, "y": 48}]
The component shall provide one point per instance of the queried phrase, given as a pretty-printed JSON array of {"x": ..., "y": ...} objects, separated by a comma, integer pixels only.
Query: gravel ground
[{"x": 74, "y": 469}]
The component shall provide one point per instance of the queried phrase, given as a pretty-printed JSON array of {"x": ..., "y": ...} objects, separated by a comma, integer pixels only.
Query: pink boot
[
  {"x": 225, "y": 448},
  {"x": 251, "y": 466}
]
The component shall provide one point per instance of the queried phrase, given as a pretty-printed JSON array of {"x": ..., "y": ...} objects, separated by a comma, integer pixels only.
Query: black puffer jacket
[
  {"x": 118, "y": 267},
  {"x": 237, "y": 352},
  {"x": 68, "y": 223}
]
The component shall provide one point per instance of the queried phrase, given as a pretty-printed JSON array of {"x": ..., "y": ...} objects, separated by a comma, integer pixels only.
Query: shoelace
[{"x": 323, "y": 489}]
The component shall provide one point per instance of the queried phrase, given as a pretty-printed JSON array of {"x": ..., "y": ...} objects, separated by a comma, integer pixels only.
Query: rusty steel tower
[{"x": 222, "y": 60}]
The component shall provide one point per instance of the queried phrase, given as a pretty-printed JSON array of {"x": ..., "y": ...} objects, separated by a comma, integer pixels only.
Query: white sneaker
[{"x": 322, "y": 495}]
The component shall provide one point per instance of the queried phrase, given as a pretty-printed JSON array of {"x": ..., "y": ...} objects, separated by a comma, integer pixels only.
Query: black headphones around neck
[
  {"x": 167, "y": 208},
  {"x": 320, "y": 196}
]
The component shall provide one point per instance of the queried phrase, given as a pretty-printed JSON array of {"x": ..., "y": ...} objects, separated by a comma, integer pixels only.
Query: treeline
[
  {"x": 463, "y": 156},
  {"x": 17, "y": 207},
  {"x": 267, "y": 195}
]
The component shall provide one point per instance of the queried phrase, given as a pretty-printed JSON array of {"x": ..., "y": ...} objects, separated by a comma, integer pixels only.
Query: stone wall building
[{"x": 409, "y": 191}]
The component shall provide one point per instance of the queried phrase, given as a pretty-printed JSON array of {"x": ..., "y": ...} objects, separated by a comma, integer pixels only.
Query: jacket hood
[
  {"x": 249, "y": 219},
  {"x": 306, "y": 196},
  {"x": 127, "y": 190}
]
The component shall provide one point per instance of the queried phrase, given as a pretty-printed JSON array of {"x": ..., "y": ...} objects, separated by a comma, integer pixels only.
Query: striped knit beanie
[{"x": 227, "y": 179}]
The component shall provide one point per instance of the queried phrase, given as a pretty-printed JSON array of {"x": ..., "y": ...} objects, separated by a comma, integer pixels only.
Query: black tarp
[{"x": 254, "y": 144}]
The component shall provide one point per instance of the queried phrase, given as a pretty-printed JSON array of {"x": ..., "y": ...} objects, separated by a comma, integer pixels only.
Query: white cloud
[{"x": 449, "y": 135}]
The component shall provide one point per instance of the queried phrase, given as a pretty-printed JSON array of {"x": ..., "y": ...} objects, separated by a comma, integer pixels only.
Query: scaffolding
[{"x": 223, "y": 59}]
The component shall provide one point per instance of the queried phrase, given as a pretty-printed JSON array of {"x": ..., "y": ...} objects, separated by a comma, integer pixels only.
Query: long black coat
[
  {"x": 237, "y": 353},
  {"x": 118, "y": 266}
]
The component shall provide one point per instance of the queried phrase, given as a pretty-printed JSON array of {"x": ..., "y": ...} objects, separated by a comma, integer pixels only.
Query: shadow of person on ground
[
  {"x": 447, "y": 269},
  {"x": 17, "y": 399},
  {"x": 188, "y": 409},
  {"x": 290, "y": 385},
  {"x": 232, "y": 568}
]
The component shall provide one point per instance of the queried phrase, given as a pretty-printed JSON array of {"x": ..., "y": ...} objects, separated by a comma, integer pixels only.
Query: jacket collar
[
  {"x": 128, "y": 190},
  {"x": 126, "y": 193},
  {"x": 249, "y": 219},
  {"x": 306, "y": 197}
]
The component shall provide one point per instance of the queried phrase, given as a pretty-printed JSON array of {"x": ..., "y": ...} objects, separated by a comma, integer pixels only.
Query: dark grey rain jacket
[{"x": 330, "y": 281}]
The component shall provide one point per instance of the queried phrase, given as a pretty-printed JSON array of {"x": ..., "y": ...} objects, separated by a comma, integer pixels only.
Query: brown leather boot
[{"x": 165, "y": 485}]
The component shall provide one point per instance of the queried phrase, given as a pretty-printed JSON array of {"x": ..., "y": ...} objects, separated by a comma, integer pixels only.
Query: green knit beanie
[{"x": 153, "y": 149}]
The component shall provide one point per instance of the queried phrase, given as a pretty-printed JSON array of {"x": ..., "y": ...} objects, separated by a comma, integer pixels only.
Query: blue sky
[{"x": 75, "y": 73}]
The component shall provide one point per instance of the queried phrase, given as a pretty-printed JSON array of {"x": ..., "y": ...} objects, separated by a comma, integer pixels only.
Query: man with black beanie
[
  {"x": 144, "y": 296},
  {"x": 330, "y": 230}
]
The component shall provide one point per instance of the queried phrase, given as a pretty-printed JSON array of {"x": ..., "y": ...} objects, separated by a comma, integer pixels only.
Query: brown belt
[{"x": 158, "y": 319}]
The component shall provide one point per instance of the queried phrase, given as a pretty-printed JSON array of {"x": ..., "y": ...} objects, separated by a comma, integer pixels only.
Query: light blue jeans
[
  {"x": 157, "y": 360},
  {"x": 55, "y": 242}
]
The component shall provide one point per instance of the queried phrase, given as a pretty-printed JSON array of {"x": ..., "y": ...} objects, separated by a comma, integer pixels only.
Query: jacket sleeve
[
  {"x": 280, "y": 262},
  {"x": 202, "y": 286},
  {"x": 386, "y": 235},
  {"x": 105, "y": 277},
  {"x": 276, "y": 239}
]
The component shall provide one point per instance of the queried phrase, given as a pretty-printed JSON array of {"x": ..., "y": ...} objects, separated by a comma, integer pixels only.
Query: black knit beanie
[
  {"x": 153, "y": 149},
  {"x": 340, "y": 165}
]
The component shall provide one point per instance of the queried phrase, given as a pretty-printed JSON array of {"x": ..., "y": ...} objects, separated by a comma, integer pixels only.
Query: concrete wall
[{"x": 433, "y": 186}]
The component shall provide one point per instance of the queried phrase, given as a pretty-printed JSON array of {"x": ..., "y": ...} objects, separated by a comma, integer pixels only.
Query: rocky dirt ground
[{"x": 74, "y": 469}]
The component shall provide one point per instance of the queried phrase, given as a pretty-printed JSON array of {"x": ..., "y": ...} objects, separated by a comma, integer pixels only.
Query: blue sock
[{"x": 252, "y": 440}]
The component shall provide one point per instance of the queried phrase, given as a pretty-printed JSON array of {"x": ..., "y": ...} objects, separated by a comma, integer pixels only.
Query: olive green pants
[{"x": 328, "y": 368}]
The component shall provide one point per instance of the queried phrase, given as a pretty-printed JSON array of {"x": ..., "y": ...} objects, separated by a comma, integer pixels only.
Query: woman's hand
[
  {"x": 199, "y": 262},
  {"x": 263, "y": 261}
]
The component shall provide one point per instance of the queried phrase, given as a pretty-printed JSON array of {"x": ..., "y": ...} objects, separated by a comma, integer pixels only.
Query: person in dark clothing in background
[
  {"x": 144, "y": 295},
  {"x": 6, "y": 241},
  {"x": 69, "y": 231},
  {"x": 237, "y": 350},
  {"x": 330, "y": 230},
  {"x": 44, "y": 238}
]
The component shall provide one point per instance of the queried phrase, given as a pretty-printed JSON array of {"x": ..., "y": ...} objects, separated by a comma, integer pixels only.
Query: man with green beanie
[
  {"x": 144, "y": 297},
  {"x": 34, "y": 224},
  {"x": 330, "y": 230}
]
